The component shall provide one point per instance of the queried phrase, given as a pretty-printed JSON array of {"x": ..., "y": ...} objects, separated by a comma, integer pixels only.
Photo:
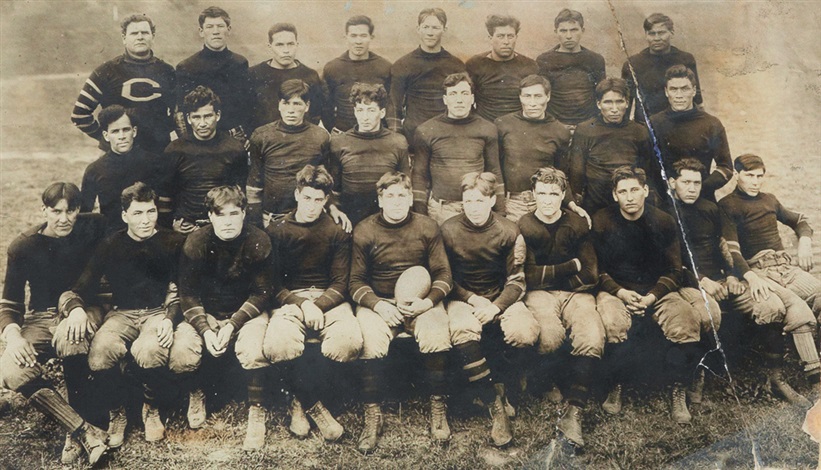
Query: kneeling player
[
  {"x": 315, "y": 323},
  {"x": 488, "y": 283},
  {"x": 384, "y": 246},
  {"x": 561, "y": 269}
]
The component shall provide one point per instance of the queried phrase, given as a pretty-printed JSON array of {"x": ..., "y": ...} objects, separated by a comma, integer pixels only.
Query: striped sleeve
[{"x": 82, "y": 116}]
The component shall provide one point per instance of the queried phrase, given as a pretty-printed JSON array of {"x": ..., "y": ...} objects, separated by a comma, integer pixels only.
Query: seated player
[
  {"x": 639, "y": 256},
  {"x": 206, "y": 159},
  {"x": 760, "y": 259},
  {"x": 485, "y": 253},
  {"x": 366, "y": 152},
  {"x": 384, "y": 246},
  {"x": 315, "y": 324},
  {"x": 225, "y": 286},
  {"x": 140, "y": 264},
  {"x": 50, "y": 257},
  {"x": 561, "y": 271}
]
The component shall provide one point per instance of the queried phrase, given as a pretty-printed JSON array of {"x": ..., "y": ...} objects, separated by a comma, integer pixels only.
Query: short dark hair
[
  {"x": 437, "y": 12},
  {"x": 549, "y": 175},
  {"x": 618, "y": 85},
  {"x": 137, "y": 192},
  {"x": 214, "y": 12},
  {"x": 137, "y": 18},
  {"x": 657, "y": 18},
  {"x": 485, "y": 182},
  {"x": 497, "y": 21},
  {"x": 688, "y": 164},
  {"x": 280, "y": 27},
  {"x": 535, "y": 79},
  {"x": 316, "y": 177},
  {"x": 568, "y": 15},
  {"x": 680, "y": 71},
  {"x": 56, "y": 192},
  {"x": 293, "y": 88},
  {"x": 359, "y": 20},
  {"x": 109, "y": 114},
  {"x": 199, "y": 97},
  {"x": 455, "y": 79},
  {"x": 749, "y": 162},
  {"x": 369, "y": 93},
  {"x": 391, "y": 178},
  {"x": 628, "y": 172},
  {"x": 221, "y": 196}
]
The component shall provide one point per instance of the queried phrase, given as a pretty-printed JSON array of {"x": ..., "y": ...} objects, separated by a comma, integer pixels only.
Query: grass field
[{"x": 760, "y": 65}]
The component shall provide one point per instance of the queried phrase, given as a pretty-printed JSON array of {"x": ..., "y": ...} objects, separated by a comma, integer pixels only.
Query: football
[{"x": 412, "y": 284}]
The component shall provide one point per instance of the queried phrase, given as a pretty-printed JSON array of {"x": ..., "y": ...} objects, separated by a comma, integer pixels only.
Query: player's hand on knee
[
  {"x": 165, "y": 333},
  {"x": 487, "y": 313},
  {"x": 77, "y": 326},
  {"x": 224, "y": 336},
  {"x": 20, "y": 348},
  {"x": 314, "y": 318},
  {"x": 212, "y": 344},
  {"x": 805, "y": 253},
  {"x": 713, "y": 289},
  {"x": 477, "y": 301},
  {"x": 389, "y": 313},
  {"x": 759, "y": 288},
  {"x": 414, "y": 307},
  {"x": 734, "y": 286}
]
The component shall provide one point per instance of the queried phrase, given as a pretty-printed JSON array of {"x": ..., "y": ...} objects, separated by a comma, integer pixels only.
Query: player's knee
[
  {"x": 148, "y": 353},
  {"x": 432, "y": 331},
  {"x": 105, "y": 352},
  {"x": 710, "y": 316},
  {"x": 186, "y": 352},
  {"x": 64, "y": 347},
  {"x": 14, "y": 377},
  {"x": 376, "y": 336},
  {"x": 519, "y": 326},
  {"x": 249, "y": 351},
  {"x": 587, "y": 339},
  {"x": 462, "y": 324},
  {"x": 797, "y": 316},
  {"x": 772, "y": 310},
  {"x": 342, "y": 341},
  {"x": 283, "y": 340},
  {"x": 683, "y": 326},
  {"x": 615, "y": 319}
]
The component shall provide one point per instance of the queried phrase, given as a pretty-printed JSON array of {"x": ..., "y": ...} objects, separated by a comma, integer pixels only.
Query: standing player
[
  {"x": 140, "y": 264},
  {"x": 416, "y": 78},
  {"x": 267, "y": 78},
  {"x": 50, "y": 257},
  {"x": 360, "y": 156},
  {"x": 452, "y": 144},
  {"x": 122, "y": 165},
  {"x": 573, "y": 71},
  {"x": 684, "y": 131},
  {"x": 606, "y": 142},
  {"x": 649, "y": 67},
  {"x": 384, "y": 246},
  {"x": 136, "y": 80},
  {"x": 205, "y": 159},
  {"x": 497, "y": 73},
  {"x": 315, "y": 325},
  {"x": 639, "y": 256},
  {"x": 223, "y": 71},
  {"x": 279, "y": 150},
  {"x": 561, "y": 269},
  {"x": 356, "y": 65},
  {"x": 225, "y": 286}
]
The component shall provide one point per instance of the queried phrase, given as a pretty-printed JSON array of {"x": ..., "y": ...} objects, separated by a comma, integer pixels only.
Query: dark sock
[
  {"x": 476, "y": 370},
  {"x": 582, "y": 367},
  {"x": 76, "y": 374},
  {"x": 373, "y": 374},
  {"x": 256, "y": 389},
  {"x": 435, "y": 367}
]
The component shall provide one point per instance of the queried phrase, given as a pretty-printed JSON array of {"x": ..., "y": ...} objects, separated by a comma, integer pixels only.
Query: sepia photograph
[{"x": 375, "y": 234}]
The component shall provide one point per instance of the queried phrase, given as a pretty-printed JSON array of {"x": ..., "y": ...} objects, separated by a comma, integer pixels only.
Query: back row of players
[{"x": 522, "y": 287}]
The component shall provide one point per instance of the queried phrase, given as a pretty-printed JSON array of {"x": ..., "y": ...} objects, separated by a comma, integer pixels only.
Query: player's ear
[
  {"x": 671, "y": 183},
  {"x": 493, "y": 200},
  {"x": 615, "y": 198},
  {"x": 122, "y": 216},
  {"x": 219, "y": 115},
  {"x": 105, "y": 136},
  {"x": 296, "y": 194},
  {"x": 646, "y": 190},
  {"x": 382, "y": 113},
  {"x": 133, "y": 131}
]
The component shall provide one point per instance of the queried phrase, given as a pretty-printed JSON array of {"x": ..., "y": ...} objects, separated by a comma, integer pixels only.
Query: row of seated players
[{"x": 283, "y": 297}]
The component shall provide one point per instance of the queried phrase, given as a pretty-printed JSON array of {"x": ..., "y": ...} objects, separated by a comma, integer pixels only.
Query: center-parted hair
[
  {"x": 485, "y": 182},
  {"x": 498, "y": 21},
  {"x": 680, "y": 71},
  {"x": 221, "y": 196},
  {"x": 627, "y": 172},
  {"x": 294, "y": 88},
  {"x": 568, "y": 15},
  {"x": 658, "y": 18},
  {"x": 214, "y": 12},
  {"x": 199, "y": 97},
  {"x": 369, "y": 93},
  {"x": 534, "y": 79},
  {"x": 690, "y": 164},
  {"x": 455, "y": 79},
  {"x": 137, "y": 192},
  {"x": 357, "y": 21},
  {"x": 56, "y": 192},
  {"x": 316, "y": 177},
  {"x": 618, "y": 85},
  {"x": 391, "y": 178},
  {"x": 549, "y": 175},
  {"x": 112, "y": 113},
  {"x": 437, "y": 12},
  {"x": 280, "y": 27},
  {"x": 137, "y": 18},
  {"x": 749, "y": 162}
]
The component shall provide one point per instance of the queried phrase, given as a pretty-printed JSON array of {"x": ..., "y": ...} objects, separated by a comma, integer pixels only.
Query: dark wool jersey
[
  {"x": 107, "y": 177},
  {"x": 755, "y": 225},
  {"x": 50, "y": 265},
  {"x": 694, "y": 134},
  {"x": 599, "y": 148},
  {"x": 358, "y": 160},
  {"x": 340, "y": 74},
  {"x": 484, "y": 260},
  {"x": 416, "y": 88},
  {"x": 227, "y": 279},
  {"x": 311, "y": 255},
  {"x": 266, "y": 82},
  {"x": 642, "y": 255},
  {"x": 496, "y": 83},
  {"x": 525, "y": 145},
  {"x": 146, "y": 87},
  {"x": 226, "y": 74},
  {"x": 551, "y": 249},
  {"x": 704, "y": 225},
  {"x": 650, "y": 69},
  {"x": 382, "y": 251},
  {"x": 199, "y": 166},
  {"x": 139, "y": 272},
  {"x": 446, "y": 149},
  {"x": 278, "y": 152},
  {"x": 573, "y": 79}
]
